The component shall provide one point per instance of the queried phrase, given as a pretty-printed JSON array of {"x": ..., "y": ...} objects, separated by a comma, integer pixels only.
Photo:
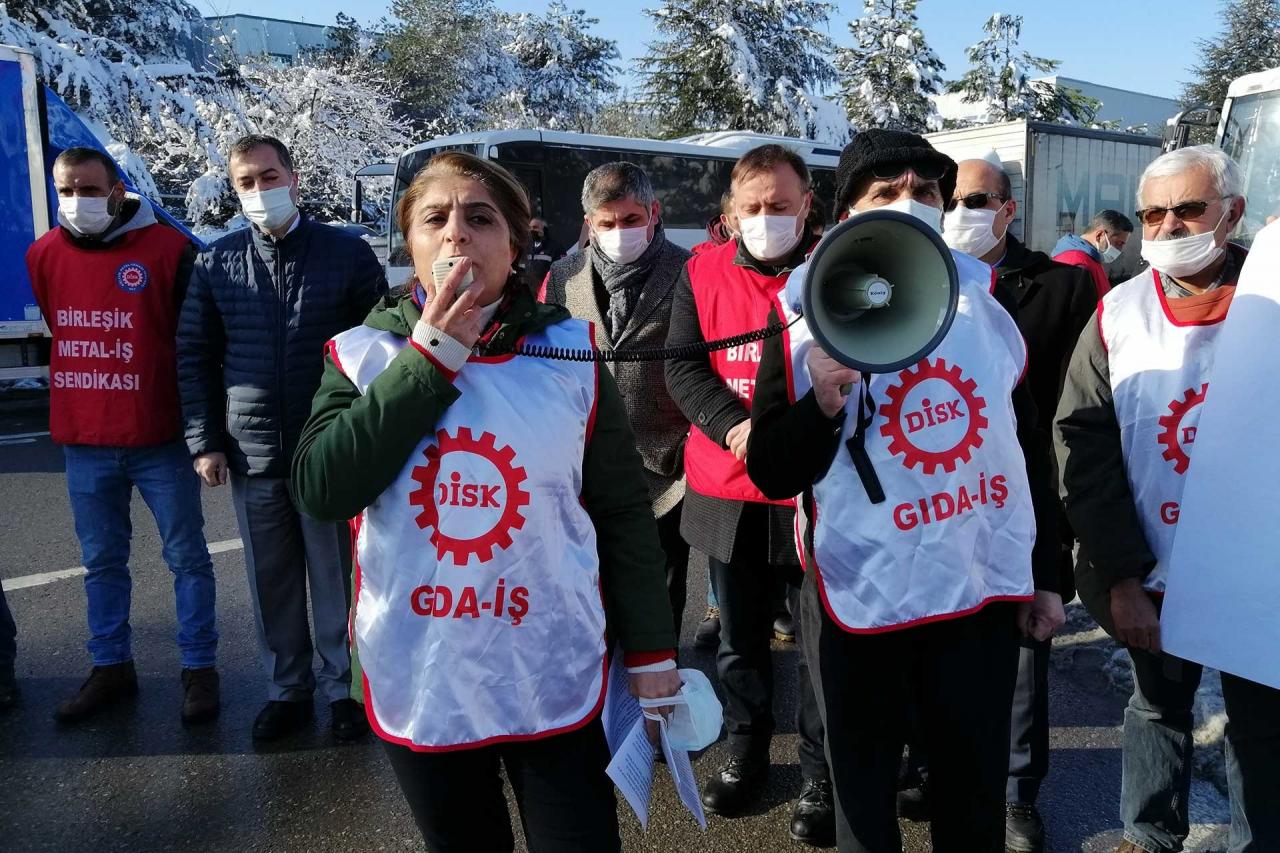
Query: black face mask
[{"x": 537, "y": 238}]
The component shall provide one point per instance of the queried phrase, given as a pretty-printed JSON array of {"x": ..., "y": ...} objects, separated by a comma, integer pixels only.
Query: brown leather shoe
[
  {"x": 105, "y": 686},
  {"x": 199, "y": 695}
]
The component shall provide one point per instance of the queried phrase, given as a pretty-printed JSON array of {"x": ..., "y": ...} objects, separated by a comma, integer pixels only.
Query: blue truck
[{"x": 35, "y": 126}]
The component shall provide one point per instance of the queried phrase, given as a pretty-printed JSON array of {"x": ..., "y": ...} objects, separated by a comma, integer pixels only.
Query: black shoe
[
  {"x": 913, "y": 803},
  {"x": 200, "y": 701},
  {"x": 278, "y": 719},
  {"x": 784, "y": 630},
  {"x": 105, "y": 686},
  {"x": 1023, "y": 829},
  {"x": 707, "y": 636},
  {"x": 813, "y": 820},
  {"x": 348, "y": 719},
  {"x": 736, "y": 785}
]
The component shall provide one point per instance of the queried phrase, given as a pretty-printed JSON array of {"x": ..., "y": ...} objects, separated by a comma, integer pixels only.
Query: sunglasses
[
  {"x": 974, "y": 201},
  {"x": 893, "y": 171},
  {"x": 1188, "y": 211}
]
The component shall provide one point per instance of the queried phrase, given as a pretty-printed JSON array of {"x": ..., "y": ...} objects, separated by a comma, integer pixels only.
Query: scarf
[{"x": 623, "y": 282}]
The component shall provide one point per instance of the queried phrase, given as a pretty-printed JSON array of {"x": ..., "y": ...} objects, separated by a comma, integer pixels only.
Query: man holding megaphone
[{"x": 897, "y": 410}]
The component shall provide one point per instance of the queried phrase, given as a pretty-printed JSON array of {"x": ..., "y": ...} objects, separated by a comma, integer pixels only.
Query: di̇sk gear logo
[
  {"x": 479, "y": 489},
  {"x": 131, "y": 277},
  {"x": 934, "y": 417},
  {"x": 1175, "y": 433}
]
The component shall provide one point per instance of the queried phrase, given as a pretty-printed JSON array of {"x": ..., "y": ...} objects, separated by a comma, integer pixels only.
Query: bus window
[
  {"x": 530, "y": 177},
  {"x": 689, "y": 188},
  {"x": 824, "y": 191}
]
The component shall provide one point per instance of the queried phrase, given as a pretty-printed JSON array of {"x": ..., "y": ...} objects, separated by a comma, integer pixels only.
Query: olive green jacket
[{"x": 354, "y": 445}]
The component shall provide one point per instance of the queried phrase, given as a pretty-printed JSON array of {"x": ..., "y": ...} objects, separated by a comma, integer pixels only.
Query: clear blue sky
[{"x": 1130, "y": 44}]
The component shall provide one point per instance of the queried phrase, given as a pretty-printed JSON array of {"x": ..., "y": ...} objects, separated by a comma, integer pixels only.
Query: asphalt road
[{"x": 136, "y": 780}]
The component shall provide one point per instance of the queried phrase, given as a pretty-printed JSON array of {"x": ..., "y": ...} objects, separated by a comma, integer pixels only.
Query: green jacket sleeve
[
  {"x": 353, "y": 445},
  {"x": 1095, "y": 488},
  {"x": 632, "y": 564}
]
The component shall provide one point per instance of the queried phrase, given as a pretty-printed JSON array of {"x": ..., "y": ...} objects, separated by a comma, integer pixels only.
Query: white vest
[
  {"x": 1159, "y": 375},
  {"x": 478, "y": 609},
  {"x": 956, "y": 528}
]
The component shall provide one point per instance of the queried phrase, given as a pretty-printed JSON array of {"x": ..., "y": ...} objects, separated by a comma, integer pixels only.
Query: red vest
[
  {"x": 113, "y": 377},
  {"x": 1077, "y": 258},
  {"x": 730, "y": 300}
]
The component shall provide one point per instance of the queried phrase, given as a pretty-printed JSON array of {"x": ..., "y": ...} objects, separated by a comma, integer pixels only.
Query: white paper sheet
[
  {"x": 631, "y": 767},
  {"x": 621, "y": 710},
  {"x": 1224, "y": 573},
  {"x": 682, "y": 772},
  {"x": 632, "y": 771}
]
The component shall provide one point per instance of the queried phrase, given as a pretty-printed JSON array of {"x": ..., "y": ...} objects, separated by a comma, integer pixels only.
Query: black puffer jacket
[{"x": 252, "y": 332}]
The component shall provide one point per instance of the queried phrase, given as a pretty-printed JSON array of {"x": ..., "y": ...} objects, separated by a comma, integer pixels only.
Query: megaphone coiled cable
[{"x": 662, "y": 354}]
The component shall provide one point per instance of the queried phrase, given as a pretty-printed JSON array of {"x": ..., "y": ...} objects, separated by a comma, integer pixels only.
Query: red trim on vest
[
  {"x": 786, "y": 350},
  {"x": 1212, "y": 320},
  {"x": 1101, "y": 336},
  {"x": 331, "y": 350},
  {"x": 913, "y": 623},
  {"x": 1077, "y": 258},
  {"x": 492, "y": 741},
  {"x": 595, "y": 398},
  {"x": 382, "y": 733},
  {"x": 992, "y": 288}
]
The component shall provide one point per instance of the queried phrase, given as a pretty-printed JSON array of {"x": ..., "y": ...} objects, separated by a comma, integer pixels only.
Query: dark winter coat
[
  {"x": 1055, "y": 302},
  {"x": 252, "y": 333}
]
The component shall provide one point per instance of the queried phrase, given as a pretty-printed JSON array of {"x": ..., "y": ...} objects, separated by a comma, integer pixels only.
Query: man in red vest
[
  {"x": 1101, "y": 242},
  {"x": 109, "y": 280},
  {"x": 749, "y": 540}
]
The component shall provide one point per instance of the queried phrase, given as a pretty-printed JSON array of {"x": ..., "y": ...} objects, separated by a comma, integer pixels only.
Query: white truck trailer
[{"x": 1061, "y": 176}]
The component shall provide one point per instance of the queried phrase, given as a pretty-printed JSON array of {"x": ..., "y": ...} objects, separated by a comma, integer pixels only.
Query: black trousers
[
  {"x": 1029, "y": 723},
  {"x": 747, "y": 592},
  {"x": 962, "y": 673},
  {"x": 565, "y": 799},
  {"x": 677, "y": 553}
]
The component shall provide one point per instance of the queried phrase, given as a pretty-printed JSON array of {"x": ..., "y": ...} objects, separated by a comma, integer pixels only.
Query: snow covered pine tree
[
  {"x": 755, "y": 65},
  {"x": 888, "y": 74},
  {"x": 1000, "y": 78}
]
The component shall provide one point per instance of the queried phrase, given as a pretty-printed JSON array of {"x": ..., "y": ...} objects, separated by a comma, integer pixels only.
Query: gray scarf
[{"x": 623, "y": 282}]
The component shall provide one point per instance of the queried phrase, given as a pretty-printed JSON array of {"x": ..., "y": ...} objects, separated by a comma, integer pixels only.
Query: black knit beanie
[{"x": 872, "y": 148}]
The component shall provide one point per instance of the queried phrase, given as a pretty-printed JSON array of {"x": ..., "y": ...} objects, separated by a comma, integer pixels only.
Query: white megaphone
[{"x": 880, "y": 291}]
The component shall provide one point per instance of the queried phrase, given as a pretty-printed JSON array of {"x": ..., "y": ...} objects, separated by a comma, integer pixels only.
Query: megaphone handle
[{"x": 856, "y": 445}]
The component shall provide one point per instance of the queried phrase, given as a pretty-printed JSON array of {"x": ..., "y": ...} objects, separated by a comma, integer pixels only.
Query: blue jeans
[
  {"x": 1157, "y": 763},
  {"x": 100, "y": 481}
]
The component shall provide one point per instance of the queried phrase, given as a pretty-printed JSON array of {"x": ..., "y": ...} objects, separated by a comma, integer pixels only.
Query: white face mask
[
  {"x": 268, "y": 209},
  {"x": 971, "y": 231},
  {"x": 931, "y": 216},
  {"x": 90, "y": 216},
  {"x": 1184, "y": 256},
  {"x": 770, "y": 238},
  {"x": 1110, "y": 253},
  {"x": 696, "y": 714},
  {"x": 623, "y": 245}
]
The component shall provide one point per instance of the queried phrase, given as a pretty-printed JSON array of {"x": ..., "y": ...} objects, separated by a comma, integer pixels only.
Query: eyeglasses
[
  {"x": 1188, "y": 211},
  {"x": 974, "y": 201},
  {"x": 926, "y": 170}
]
